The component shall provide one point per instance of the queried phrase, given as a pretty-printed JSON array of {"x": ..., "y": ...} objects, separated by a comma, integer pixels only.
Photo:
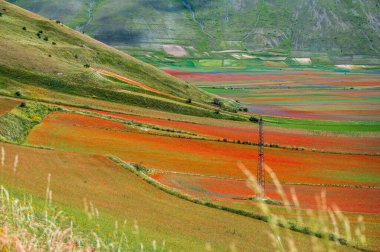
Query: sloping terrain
[
  {"x": 46, "y": 54},
  {"x": 326, "y": 27},
  {"x": 120, "y": 195}
]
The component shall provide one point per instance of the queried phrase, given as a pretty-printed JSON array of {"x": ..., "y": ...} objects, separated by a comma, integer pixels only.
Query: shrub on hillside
[
  {"x": 254, "y": 119},
  {"x": 140, "y": 168},
  {"x": 39, "y": 34},
  {"x": 217, "y": 102},
  {"x": 87, "y": 65}
]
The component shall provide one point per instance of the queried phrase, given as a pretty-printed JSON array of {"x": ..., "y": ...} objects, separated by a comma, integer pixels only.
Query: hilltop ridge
[{"x": 46, "y": 54}]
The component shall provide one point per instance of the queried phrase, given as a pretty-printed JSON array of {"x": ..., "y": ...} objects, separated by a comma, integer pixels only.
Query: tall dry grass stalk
[
  {"x": 24, "y": 228},
  {"x": 328, "y": 226},
  {"x": 15, "y": 164},
  {"x": 2, "y": 156}
]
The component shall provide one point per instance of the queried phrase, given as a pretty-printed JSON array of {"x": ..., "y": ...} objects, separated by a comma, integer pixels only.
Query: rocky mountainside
[{"x": 299, "y": 27}]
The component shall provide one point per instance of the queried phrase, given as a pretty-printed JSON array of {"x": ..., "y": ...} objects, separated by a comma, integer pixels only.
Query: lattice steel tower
[{"x": 260, "y": 163}]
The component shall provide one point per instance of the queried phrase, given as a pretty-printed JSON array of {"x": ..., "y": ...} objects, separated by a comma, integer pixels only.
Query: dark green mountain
[{"x": 299, "y": 27}]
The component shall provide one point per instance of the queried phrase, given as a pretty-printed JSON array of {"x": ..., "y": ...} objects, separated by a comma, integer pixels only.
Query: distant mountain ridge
[{"x": 297, "y": 27}]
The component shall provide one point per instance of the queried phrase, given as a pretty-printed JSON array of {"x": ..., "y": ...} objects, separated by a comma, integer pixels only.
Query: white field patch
[
  {"x": 175, "y": 50},
  {"x": 302, "y": 60},
  {"x": 242, "y": 56},
  {"x": 236, "y": 56},
  {"x": 247, "y": 56},
  {"x": 350, "y": 67},
  {"x": 273, "y": 58},
  {"x": 228, "y": 51}
]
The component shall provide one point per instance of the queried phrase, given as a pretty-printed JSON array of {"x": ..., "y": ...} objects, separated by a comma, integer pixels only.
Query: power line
[{"x": 260, "y": 163}]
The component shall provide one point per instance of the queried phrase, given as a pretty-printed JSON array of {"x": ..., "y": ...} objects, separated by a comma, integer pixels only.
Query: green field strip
[
  {"x": 324, "y": 125},
  {"x": 224, "y": 90},
  {"x": 287, "y": 95},
  {"x": 358, "y": 176},
  {"x": 368, "y": 100}
]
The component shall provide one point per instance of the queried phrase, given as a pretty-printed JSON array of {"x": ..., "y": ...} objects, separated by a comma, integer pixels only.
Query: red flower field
[
  {"x": 273, "y": 135},
  {"x": 97, "y": 136},
  {"x": 228, "y": 76}
]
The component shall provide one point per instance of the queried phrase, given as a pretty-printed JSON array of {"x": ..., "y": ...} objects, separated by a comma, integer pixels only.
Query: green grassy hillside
[
  {"x": 340, "y": 29},
  {"x": 46, "y": 54}
]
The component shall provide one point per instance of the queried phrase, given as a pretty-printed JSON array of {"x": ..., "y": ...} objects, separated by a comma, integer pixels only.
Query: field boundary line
[{"x": 159, "y": 171}]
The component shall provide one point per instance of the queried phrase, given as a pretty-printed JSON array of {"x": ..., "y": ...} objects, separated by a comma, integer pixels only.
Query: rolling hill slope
[
  {"x": 299, "y": 27},
  {"x": 121, "y": 196},
  {"x": 46, "y": 54}
]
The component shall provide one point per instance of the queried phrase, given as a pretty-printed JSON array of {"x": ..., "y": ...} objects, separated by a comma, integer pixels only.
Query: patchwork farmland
[
  {"x": 164, "y": 157},
  {"x": 318, "y": 95},
  {"x": 191, "y": 157},
  {"x": 75, "y": 132}
]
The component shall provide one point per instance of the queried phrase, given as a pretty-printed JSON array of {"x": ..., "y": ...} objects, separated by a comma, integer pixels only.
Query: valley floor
[{"x": 196, "y": 156}]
